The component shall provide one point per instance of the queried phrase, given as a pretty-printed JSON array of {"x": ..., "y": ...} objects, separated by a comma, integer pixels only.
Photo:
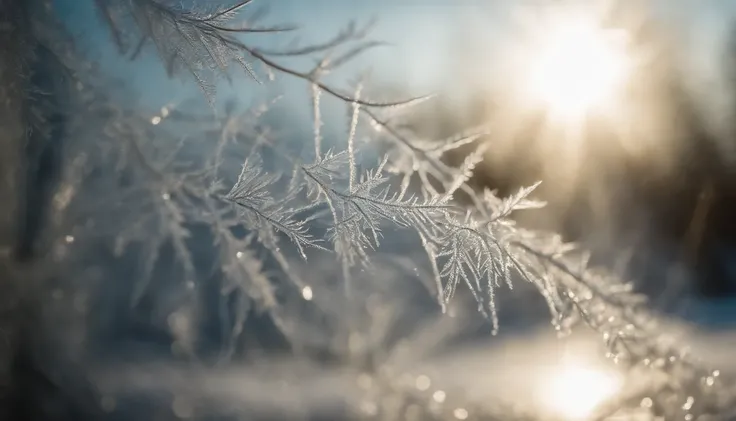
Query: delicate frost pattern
[
  {"x": 171, "y": 188},
  {"x": 359, "y": 214}
]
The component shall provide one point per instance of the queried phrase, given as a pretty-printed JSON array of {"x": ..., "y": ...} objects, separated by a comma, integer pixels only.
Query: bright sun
[{"x": 576, "y": 67}]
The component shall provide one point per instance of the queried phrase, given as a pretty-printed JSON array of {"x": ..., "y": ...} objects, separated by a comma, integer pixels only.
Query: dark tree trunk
[{"x": 31, "y": 135}]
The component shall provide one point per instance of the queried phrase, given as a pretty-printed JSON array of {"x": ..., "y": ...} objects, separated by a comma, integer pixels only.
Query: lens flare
[{"x": 574, "y": 391}]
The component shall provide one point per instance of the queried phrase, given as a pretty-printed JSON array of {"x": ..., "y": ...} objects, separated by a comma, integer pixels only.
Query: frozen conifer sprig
[
  {"x": 413, "y": 189},
  {"x": 480, "y": 249}
]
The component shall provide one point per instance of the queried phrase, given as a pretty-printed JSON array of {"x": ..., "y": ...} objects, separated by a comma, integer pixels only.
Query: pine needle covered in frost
[{"x": 263, "y": 213}]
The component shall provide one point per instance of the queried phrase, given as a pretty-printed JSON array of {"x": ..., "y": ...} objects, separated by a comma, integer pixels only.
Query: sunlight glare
[
  {"x": 576, "y": 67},
  {"x": 574, "y": 391}
]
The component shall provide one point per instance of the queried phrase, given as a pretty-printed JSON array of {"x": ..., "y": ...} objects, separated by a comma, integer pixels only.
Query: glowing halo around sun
[{"x": 574, "y": 66}]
